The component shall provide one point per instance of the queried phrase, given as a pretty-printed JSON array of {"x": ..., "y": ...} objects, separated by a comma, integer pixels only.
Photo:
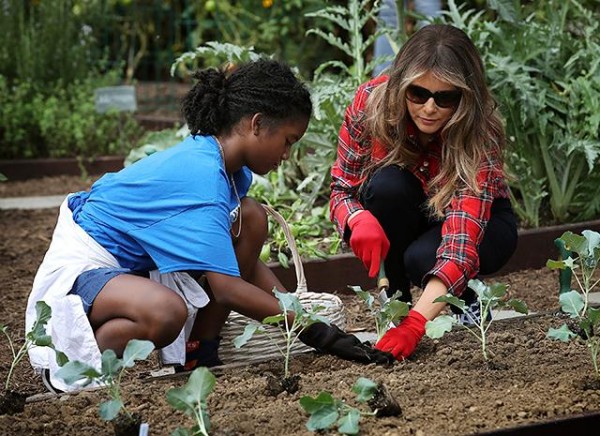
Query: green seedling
[
  {"x": 490, "y": 297},
  {"x": 111, "y": 374},
  {"x": 327, "y": 412},
  {"x": 390, "y": 311},
  {"x": 191, "y": 399},
  {"x": 303, "y": 318},
  {"x": 586, "y": 251},
  {"x": 37, "y": 337}
]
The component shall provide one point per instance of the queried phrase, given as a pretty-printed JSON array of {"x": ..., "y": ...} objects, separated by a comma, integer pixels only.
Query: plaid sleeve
[
  {"x": 352, "y": 156},
  {"x": 463, "y": 228}
]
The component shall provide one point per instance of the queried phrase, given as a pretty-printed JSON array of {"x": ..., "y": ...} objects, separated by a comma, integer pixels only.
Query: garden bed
[{"x": 445, "y": 388}]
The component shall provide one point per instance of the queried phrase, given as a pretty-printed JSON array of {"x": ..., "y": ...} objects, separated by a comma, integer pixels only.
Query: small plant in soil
[
  {"x": 11, "y": 401},
  {"x": 327, "y": 412},
  {"x": 191, "y": 399},
  {"x": 111, "y": 374},
  {"x": 273, "y": 325},
  {"x": 582, "y": 262},
  {"x": 492, "y": 296},
  {"x": 390, "y": 311}
]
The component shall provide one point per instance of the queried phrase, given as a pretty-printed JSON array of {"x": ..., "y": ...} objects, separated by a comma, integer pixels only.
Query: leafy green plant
[
  {"x": 60, "y": 120},
  {"x": 550, "y": 99},
  {"x": 492, "y": 296},
  {"x": 36, "y": 337},
  {"x": 390, "y": 311},
  {"x": 191, "y": 399},
  {"x": 280, "y": 324},
  {"x": 110, "y": 375},
  {"x": 585, "y": 249},
  {"x": 327, "y": 412}
]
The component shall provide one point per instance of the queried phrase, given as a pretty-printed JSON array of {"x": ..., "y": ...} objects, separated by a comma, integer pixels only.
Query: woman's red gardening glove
[
  {"x": 401, "y": 341},
  {"x": 368, "y": 241}
]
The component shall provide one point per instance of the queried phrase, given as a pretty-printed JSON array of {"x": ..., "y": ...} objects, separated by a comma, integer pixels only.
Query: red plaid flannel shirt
[{"x": 465, "y": 219}]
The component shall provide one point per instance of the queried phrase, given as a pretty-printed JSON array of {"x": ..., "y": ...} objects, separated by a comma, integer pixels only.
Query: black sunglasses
[{"x": 443, "y": 99}]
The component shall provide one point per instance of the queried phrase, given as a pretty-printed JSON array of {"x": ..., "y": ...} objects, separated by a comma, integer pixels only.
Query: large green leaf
[
  {"x": 571, "y": 303},
  {"x": 111, "y": 364},
  {"x": 136, "y": 349},
  {"x": 439, "y": 326},
  {"x": 452, "y": 300},
  {"x": 110, "y": 409},
  {"x": 37, "y": 335},
  {"x": 562, "y": 334},
  {"x": 322, "y": 409},
  {"x": 348, "y": 422},
  {"x": 241, "y": 340},
  {"x": 364, "y": 389},
  {"x": 74, "y": 371}
]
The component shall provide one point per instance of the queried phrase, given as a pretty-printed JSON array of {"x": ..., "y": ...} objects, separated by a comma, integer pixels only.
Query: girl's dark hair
[{"x": 223, "y": 97}]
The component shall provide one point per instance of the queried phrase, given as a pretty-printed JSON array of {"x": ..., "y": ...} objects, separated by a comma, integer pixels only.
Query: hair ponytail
[
  {"x": 222, "y": 97},
  {"x": 204, "y": 107}
]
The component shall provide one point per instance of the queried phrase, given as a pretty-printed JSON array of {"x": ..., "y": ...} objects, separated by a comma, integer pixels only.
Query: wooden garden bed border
[{"x": 335, "y": 273}]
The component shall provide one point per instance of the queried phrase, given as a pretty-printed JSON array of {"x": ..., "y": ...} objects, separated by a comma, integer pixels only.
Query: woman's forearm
[{"x": 425, "y": 306}]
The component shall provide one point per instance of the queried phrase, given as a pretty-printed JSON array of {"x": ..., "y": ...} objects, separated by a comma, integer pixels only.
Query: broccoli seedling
[
  {"x": 326, "y": 411},
  {"x": 302, "y": 319},
  {"x": 111, "y": 374},
  {"x": 390, "y": 311},
  {"x": 191, "y": 399},
  {"x": 490, "y": 297},
  {"x": 586, "y": 249},
  {"x": 36, "y": 337}
]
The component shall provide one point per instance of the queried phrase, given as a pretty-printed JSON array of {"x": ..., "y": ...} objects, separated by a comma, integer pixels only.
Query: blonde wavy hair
[{"x": 474, "y": 132}]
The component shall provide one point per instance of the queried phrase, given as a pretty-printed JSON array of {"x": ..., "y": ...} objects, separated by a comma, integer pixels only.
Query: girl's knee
[{"x": 164, "y": 323}]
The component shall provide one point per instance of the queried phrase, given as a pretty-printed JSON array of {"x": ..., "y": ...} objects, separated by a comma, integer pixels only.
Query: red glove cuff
[{"x": 368, "y": 241}]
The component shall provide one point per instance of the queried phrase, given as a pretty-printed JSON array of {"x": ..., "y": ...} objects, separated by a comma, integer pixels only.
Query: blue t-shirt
[{"x": 172, "y": 210}]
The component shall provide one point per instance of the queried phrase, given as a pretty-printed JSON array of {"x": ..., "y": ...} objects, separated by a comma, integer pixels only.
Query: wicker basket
[{"x": 263, "y": 346}]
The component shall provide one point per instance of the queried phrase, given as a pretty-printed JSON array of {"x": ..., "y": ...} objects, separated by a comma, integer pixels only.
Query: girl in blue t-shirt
[{"x": 186, "y": 210}]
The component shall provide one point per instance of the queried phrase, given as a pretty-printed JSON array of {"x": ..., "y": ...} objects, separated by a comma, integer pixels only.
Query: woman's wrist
[
  {"x": 353, "y": 215},
  {"x": 425, "y": 306}
]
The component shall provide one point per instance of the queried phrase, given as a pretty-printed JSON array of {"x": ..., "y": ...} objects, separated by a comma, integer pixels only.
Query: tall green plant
[
  {"x": 583, "y": 263},
  {"x": 43, "y": 42},
  {"x": 550, "y": 97}
]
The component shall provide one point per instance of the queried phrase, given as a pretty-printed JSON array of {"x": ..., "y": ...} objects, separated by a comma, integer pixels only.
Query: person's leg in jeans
[{"x": 395, "y": 197}]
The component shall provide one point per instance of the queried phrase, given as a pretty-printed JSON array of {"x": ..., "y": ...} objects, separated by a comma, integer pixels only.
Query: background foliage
[
  {"x": 542, "y": 59},
  {"x": 50, "y": 64}
]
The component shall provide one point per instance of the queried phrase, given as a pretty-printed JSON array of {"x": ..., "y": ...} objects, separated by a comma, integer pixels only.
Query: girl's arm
[{"x": 241, "y": 296}]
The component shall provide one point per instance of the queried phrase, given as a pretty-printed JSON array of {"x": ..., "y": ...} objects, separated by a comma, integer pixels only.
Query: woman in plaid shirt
[{"x": 418, "y": 183}]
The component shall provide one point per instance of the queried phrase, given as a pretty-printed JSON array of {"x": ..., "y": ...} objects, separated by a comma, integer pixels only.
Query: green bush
[
  {"x": 60, "y": 121},
  {"x": 43, "y": 42},
  {"x": 544, "y": 69}
]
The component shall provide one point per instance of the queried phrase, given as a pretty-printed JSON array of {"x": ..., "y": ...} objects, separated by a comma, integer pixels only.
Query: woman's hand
[
  {"x": 401, "y": 341},
  {"x": 368, "y": 240}
]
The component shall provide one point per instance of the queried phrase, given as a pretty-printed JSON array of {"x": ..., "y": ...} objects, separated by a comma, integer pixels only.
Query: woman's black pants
[{"x": 396, "y": 198}]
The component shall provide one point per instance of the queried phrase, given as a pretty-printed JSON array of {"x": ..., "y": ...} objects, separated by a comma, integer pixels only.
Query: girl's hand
[
  {"x": 332, "y": 340},
  {"x": 368, "y": 241}
]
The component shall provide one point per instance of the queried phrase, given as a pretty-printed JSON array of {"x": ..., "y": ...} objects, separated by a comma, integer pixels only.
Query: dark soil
[{"x": 444, "y": 388}]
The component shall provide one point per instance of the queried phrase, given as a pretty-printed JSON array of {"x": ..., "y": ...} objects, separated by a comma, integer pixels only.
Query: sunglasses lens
[
  {"x": 417, "y": 95},
  {"x": 443, "y": 99},
  {"x": 447, "y": 99}
]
